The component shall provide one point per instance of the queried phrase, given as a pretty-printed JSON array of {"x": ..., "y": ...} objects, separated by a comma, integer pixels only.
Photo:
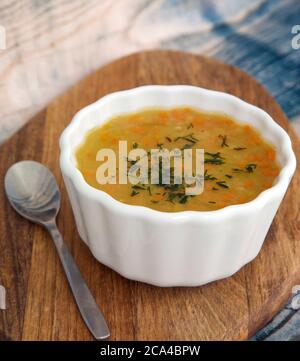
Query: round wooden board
[{"x": 39, "y": 303}]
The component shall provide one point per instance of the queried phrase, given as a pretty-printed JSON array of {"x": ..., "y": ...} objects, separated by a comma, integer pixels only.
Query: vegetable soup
[{"x": 238, "y": 163}]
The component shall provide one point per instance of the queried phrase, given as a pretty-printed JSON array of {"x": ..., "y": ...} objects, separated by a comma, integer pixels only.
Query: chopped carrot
[
  {"x": 268, "y": 184},
  {"x": 247, "y": 128},
  {"x": 228, "y": 195},
  {"x": 248, "y": 184},
  {"x": 270, "y": 172},
  {"x": 271, "y": 154},
  {"x": 162, "y": 118},
  {"x": 88, "y": 173},
  {"x": 139, "y": 129},
  {"x": 255, "y": 158}
]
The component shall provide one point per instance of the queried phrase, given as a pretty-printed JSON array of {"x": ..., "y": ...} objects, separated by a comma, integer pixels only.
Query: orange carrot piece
[
  {"x": 139, "y": 130},
  {"x": 271, "y": 154},
  {"x": 248, "y": 184}
]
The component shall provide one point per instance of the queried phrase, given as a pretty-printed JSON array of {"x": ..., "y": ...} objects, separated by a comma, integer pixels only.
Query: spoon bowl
[{"x": 32, "y": 191}]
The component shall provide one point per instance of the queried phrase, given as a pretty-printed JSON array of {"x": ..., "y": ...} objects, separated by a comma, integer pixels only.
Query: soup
[{"x": 238, "y": 163}]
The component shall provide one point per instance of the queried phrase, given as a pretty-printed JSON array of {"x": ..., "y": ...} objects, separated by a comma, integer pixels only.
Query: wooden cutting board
[{"x": 39, "y": 303}]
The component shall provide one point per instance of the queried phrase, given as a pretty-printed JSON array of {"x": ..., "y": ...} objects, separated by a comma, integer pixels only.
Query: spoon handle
[{"x": 86, "y": 303}]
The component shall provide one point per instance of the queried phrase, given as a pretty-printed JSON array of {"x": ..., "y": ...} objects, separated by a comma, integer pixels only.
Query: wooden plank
[{"x": 40, "y": 305}]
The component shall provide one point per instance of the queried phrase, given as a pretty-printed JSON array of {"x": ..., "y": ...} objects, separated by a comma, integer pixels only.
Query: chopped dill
[
  {"x": 223, "y": 140},
  {"x": 222, "y": 184},
  {"x": 250, "y": 167},
  {"x": 189, "y": 138},
  {"x": 208, "y": 176},
  {"x": 187, "y": 146},
  {"x": 215, "y": 158}
]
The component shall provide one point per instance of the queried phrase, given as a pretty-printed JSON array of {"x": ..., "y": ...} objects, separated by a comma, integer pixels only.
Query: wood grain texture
[
  {"x": 39, "y": 302},
  {"x": 50, "y": 45}
]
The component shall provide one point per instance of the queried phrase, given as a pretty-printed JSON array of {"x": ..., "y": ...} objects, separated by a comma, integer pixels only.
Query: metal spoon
[{"x": 33, "y": 192}]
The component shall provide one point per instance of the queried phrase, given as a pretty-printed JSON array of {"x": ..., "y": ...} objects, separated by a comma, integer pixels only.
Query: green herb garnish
[
  {"x": 138, "y": 186},
  {"x": 169, "y": 139},
  {"x": 208, "y": 176},
  {"x": 187, "y": 146},
  {"x": 214, "y": 155},
  {"x": 239, "y": 148},
  {"x": 250, "y": 167},
  {"x": 172, "y": 192},
  {"x": 135, "y": 145},
  {"x": 215, "y": 158},
  {"x": 224, "y": 140},
  {"x": 171, "y": 197},
  {"x": 222, "y": 184},
  {"x": 189, "y": 138},
  {"x": 131, "y": 161},
  {"x": 183, "y": 199},
  {"x": 228, "y": 176},
  {"x": 237, "y": 170},
  {"x": 214, "y": 161}
]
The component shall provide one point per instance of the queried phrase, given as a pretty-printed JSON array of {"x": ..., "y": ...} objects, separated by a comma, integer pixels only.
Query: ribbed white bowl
[{"x": 172, "y": 249}]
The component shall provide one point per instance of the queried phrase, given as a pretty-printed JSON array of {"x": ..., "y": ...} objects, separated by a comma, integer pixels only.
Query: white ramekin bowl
[{"x": 172, "y": 249}]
